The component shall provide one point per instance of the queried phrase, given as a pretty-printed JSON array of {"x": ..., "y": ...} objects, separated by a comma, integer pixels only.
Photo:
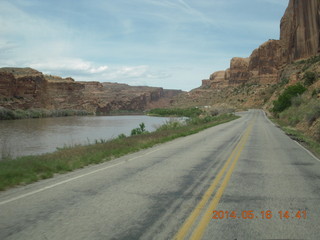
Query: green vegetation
[
  {"x": 176, "y": 112},
  {"x": 7, "y": 114},
  {"x": 308, "y": 62},
  {"x": 284, "y": 100},
  {"x": 302, "y": 110},
  {"x": 28, "y": 169},
  {"x": 140, "y": 130},
  {"x": 309, "y": 78},
  {"x": 121, "y": 112}
]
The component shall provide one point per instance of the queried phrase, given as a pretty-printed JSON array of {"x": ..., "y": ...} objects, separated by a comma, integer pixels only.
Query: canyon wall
[
  {"x": 299, "y": 39},
  {"x": 25, "y": 88},
  {"x": 299, "y": 27}
]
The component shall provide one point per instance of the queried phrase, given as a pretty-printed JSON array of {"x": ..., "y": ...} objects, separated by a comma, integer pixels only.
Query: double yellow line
[{"x": 205, "y": 219}]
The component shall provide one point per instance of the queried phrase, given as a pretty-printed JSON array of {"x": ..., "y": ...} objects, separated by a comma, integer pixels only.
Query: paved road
[{"x": 170, "y": 191}]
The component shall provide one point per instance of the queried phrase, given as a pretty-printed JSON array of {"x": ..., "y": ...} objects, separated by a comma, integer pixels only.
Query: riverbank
[
  {"x": 8, "y": 114},
  {"x": 28, "y": 169}
]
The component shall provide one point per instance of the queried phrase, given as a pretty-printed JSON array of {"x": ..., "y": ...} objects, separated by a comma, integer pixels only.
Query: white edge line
[
  {"x": 72, "y": 179},
  {"x": 310, "y": 153}
]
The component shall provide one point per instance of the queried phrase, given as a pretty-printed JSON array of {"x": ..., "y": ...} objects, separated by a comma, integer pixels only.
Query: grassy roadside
[
  {"x": 309, "y": 143},
  {"x": 28, "y": 169}
]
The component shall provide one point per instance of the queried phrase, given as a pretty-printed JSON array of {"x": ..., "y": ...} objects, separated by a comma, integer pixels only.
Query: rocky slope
[
  {"x": 25, "y": 88},
  {"x": 249, "y": 81}
]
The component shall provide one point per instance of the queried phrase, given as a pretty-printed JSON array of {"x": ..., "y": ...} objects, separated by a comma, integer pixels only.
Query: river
[{"x": 38, "y": 136}]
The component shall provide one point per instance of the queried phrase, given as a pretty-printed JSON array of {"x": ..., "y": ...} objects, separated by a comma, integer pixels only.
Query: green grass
[
  {"x": 175, "y": 112},
  {"x": 28, "y": 169}
]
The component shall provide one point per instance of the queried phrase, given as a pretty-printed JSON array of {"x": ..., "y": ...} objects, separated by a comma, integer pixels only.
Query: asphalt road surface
[{"x": 241, "y": 180}]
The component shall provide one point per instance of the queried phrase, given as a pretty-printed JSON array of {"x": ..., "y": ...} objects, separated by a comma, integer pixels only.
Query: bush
[
  {"x": 314, "y": 92},
  {"x": 6, "y": 114},
  {"x": 121, "y": 136},
  {"x": 309, "y": 78},
  {"x": 284, "y": 100},
  {"x": 140, "y": 130},
  {"x": 169, "y": 125},
  {"x": 284, "y": 81}
]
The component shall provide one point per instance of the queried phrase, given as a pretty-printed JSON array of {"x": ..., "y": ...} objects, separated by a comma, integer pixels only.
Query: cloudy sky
[{"x": 165, "y": 43}]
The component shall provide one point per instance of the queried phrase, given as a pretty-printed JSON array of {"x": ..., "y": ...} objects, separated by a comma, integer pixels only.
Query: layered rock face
[
  {"x": 299, "y": 38},
  {"x": 217, "y": 79},
  {"x": 239, "y": 70},
  {"x": 24, "y": 88},
  {"x": 265, "y": 62},
  {"x": 300, "y": 30}
]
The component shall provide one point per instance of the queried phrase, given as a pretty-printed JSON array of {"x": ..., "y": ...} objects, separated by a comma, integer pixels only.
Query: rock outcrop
[
  {"x": 217, "y": 79},
  {"x": 239, "y": 70},
  {"x": 299, "y": 30},
  {"x": 25, "y": 88},
  {"x": 265, "y": 62},
  {"x": 299, "y": 38}
]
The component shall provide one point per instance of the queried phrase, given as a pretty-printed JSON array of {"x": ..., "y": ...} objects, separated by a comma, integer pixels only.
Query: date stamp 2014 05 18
[{"x": 268, "y": 214}]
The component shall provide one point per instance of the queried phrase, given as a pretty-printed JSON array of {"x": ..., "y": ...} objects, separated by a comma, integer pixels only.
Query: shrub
[
  {"x": 121, "y": 136},
  {"x": 140, "y": 130},
  {"x": 6, "y": 114},
  {"x": 172, "y": 124},
  {"x": 294, "y": 120},
  {"x": 309, "y": 78},
  {"x": 284, "y": 81},
  {"x": 314, "y": 93},
  {"x": 284, "y": 100}
]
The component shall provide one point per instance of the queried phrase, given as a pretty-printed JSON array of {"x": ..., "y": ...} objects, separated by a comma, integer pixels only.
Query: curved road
[{"x": 241, "y": 180}]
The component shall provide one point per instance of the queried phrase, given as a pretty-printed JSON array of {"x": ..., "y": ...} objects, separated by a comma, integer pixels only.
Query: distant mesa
[{"x": 25, "y": 88}]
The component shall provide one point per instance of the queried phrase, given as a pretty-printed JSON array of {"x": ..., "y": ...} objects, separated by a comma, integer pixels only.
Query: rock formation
[
  {"x": 239, "y": 70},
  {"x": 265, "y": 62},
  {"x": 299, "y": 38},
  {"x": 24, "y": 88},
  {"x": 299, "y": 30}
]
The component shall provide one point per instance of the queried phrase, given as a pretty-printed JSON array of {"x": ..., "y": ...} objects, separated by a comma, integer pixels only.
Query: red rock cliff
[
  {"x": 300, "y": 29},
  {"x": 299, "y": 38},
  {"x": 24, "y": 88}
]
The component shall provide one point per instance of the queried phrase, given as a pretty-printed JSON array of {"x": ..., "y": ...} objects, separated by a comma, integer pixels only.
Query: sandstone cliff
[
  {"x": 251, "y": 82},
  {"x": 25, "y": 88},
  {"x": 299, "y": 33},
  {"x": 299, "y": 39}
]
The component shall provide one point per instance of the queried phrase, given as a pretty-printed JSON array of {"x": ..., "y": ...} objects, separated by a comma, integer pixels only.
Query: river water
[{"x": 37, "y": 136}]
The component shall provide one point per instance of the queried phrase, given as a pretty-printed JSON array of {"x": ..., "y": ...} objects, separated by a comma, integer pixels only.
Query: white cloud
[
  {"x": 87, "y": 71},
  {"x": 68, "y": 65}
]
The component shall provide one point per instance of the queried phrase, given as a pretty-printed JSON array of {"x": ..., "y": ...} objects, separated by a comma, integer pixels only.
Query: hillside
[{"x": 258, "y": 80}]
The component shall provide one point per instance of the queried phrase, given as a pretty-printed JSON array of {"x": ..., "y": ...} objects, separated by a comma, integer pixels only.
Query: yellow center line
[
  {"x": 199, "y": 231},
  {"x": 196, "y": 212}
]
